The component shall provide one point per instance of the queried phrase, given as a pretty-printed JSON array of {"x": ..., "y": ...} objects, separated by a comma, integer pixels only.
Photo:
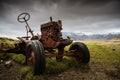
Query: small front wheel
[
  {"x": 80, "y": 52},
  {"x": 35, "y": 57}
]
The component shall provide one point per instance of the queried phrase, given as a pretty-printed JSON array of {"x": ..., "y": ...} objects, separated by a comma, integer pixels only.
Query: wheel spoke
[
  {"x": 23, "y": 17},
  {"x": 20, "y": 18},
  {"x": 26, "y": 15}
]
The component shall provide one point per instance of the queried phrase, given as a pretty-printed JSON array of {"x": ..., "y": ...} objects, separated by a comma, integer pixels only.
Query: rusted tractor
[{"x": 49, "y": 44}]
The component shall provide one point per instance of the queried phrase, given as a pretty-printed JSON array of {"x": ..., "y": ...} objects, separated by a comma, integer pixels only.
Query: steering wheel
[{"x": 23, "y": 17}]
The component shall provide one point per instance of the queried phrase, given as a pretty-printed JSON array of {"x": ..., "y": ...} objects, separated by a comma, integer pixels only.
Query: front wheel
[
  {"x": 35, "y": 57},
  {"x": 80, "y": 52}
]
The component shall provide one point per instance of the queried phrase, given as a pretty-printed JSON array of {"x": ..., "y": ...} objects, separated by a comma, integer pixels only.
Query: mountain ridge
[{"x": 82, "y": 36}]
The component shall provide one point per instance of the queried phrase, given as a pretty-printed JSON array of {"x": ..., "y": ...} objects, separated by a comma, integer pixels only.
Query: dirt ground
[
  {"x": 97, "y": 71},
  {"x": 10, "y": 73}
]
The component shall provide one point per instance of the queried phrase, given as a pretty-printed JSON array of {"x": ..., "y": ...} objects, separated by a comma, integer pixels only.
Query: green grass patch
[
  {"x": 52, "y": 67},
  {"x": 19, "y": 58},
  {"x": 24, "y": 70},
  {"x": 26, "y": 74}
]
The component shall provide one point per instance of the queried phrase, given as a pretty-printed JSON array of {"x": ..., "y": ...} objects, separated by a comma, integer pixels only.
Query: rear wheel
[
  {"x": 35, "y": 57},
  {"x": 80, "y": 52}
]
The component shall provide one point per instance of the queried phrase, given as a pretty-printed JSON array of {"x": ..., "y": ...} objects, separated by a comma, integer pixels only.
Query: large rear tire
[
  {"x": 35, "y": 57},
  {"x": 81, "y": 52}
]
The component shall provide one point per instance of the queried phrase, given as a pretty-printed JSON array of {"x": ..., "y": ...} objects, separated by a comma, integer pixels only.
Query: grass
[
  {"x": 52, "y": 67},
  {"x": 19, "y": 58},
  {"x": 8, "y": 42},
  {"x": 104, "y": 53}
]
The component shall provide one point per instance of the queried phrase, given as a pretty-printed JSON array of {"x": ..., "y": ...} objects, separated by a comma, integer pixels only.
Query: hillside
[{"x": 8, "y": 42}]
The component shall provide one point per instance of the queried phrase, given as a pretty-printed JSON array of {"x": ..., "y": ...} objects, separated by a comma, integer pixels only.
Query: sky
[{"x": 79, "y": 16}]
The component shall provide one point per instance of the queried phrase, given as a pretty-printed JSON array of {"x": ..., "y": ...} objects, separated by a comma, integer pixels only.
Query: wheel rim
[
  {"x": 78, "y": 54},
  {"x": 31, "y": 59}
]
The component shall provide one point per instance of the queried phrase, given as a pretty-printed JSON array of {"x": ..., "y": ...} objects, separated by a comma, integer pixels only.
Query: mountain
[{"x": 82, "y": 36}]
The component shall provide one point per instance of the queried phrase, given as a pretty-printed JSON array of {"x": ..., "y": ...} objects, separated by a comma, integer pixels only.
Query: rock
[
  {"x": 1, "y": 61},
  {"x": 113, "y": 49},
  {"x": 8, "y": 64}
]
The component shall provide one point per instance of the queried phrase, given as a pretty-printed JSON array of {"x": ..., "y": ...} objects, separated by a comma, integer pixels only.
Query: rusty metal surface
[
  {"x": 70, "y": 53},
  {"x": 51, "y": 35}
]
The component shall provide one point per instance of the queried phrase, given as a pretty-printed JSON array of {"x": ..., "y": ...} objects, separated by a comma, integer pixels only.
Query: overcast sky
[{"x": 81, "y": 16}]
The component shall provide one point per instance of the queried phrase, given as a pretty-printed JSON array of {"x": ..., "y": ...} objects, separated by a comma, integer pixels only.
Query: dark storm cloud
[
  {"x": 8, "y": 5},
  {"x": 83, "y": 8},
  {"x": 95, "y": 2},
  {"x": 75, "y": 6},
  {"x": 77, "y": 15},
  {"x": 66, "y": 9}
]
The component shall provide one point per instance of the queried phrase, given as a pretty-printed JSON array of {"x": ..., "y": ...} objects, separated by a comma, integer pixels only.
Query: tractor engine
[{"x": 51, "y": 35}]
